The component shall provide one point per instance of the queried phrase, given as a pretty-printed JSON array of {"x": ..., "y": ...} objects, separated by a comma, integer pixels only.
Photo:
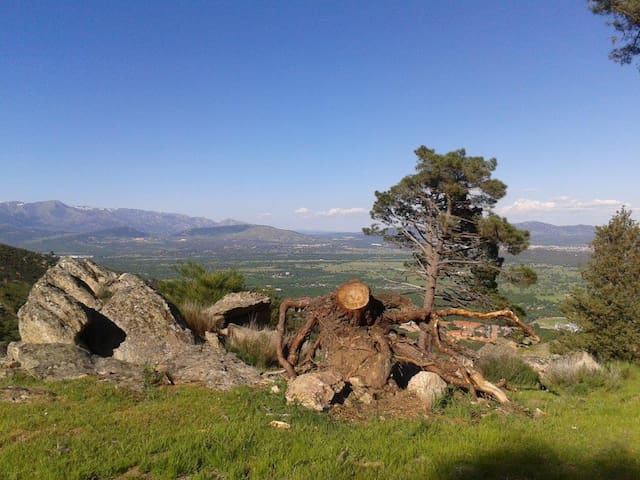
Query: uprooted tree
[
  {"x": 442, "y": 214},
  {"x": 358, "y": 336}
]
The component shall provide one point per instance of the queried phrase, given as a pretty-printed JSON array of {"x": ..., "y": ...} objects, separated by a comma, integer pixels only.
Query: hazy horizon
[{"x": 219, "y": 220}]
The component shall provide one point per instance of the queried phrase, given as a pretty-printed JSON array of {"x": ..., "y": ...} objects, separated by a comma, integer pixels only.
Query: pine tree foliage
[
  {"x": 608, "y": 308},
  {"x": 443, "y": 215},
  {"x": 625, "y": 19}
]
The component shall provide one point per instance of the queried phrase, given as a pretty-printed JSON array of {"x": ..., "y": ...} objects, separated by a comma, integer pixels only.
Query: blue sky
[{"x": 294, "y": 113}]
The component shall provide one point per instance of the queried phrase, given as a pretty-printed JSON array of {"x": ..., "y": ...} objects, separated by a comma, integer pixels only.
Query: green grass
[{"x": 96, "y": 431}]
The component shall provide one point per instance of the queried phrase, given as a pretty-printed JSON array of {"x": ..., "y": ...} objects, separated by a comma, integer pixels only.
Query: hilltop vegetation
[
  {"x": 19, "y": 270},
  {"x": 608, "y": 308},
  {"x": 17, "y": 264}
]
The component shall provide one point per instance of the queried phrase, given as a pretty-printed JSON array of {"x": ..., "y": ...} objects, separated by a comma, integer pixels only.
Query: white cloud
[
  {"x": 332, "y": 212},
  {"x": 524, "y": 205},
  {"x": 265, "y": 214},
  {"x": 302, "y": 211},
  {"x": 341, "y": 212},
  {"x": 562, "y": 203}
]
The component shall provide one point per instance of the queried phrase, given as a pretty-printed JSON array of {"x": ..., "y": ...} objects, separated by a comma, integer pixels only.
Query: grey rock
[
  {"x": 206, "y": 365},
  {"x": 315, "y": 391},
  {"x": 569, "y": 366},
  {"x": 123, "y": 374},
  {"x": 360, "y": 392},
  {"x": 562, "y": 365},
  {"x": 152, "y": 332},
  {"x": 427, "y": 386},
  {"x": 240, "y": 308},
  {"x": 52, "y": 361},
  {"x": 212, "y": 339},
  {"x": 79, "y": 303},
  {"x": 501, "y": 346}
]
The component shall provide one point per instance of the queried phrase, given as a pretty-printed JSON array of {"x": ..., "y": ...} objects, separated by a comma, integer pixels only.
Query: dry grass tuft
[{"x": 196, "y": 319}]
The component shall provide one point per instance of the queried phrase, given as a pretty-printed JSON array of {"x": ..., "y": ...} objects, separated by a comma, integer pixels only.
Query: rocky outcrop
[
  {"x": 240, "y": 308},
  {"x": 567, "y": 368},
  {"x": 209, "y": 366},
  {"x": 77, "y": 302},
  {"x": 81, "y": 319},
  {"x": 197, "y": 364},
  {"x": 152, "y": 332},
  {"x": 562, "y": 366}
]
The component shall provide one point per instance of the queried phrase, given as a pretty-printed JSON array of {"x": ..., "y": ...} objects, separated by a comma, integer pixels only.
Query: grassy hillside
[
  {"x": 19, "y": 270},
  {"x": 83, "y": 429},
  {"x": 22, "y": 265}
]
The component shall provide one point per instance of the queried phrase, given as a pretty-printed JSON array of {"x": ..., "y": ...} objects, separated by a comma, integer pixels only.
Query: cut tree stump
[{"x": 356, "y": 335}]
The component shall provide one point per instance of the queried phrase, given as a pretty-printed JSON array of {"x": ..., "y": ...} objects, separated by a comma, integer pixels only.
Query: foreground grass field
[{"x": 86, "y": 430}]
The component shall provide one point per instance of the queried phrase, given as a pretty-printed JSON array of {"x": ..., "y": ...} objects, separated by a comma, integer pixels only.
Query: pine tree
[
  {"x": 443, "y": 215},
  {"x": 608, "y": 307}
]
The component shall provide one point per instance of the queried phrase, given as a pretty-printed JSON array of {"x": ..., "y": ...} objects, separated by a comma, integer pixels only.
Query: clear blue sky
[{"x": 294, "y": 113}]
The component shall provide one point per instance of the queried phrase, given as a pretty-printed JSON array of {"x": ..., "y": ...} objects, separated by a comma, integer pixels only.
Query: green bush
[
  {"x": 608, "y": 307},
  {"x": 496, "y": 366},
  {"x": 13, "y": 294},
  {"x": 198, "y": 286}
]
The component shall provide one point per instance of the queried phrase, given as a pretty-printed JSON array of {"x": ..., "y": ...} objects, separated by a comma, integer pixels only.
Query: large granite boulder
[
  {"x": 81, "y": 319},
  {"x": 77, "y": 302}
]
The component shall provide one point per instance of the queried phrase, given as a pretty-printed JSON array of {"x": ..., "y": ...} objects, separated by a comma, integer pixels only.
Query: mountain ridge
[
  {"x": 58, "y": 216},
  {"x": 47, "y": 223}
]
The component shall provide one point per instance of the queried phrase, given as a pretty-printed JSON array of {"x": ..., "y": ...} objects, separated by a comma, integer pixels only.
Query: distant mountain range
[
  {"x": 55, "y": 226},
  {"x": 55, "y": 216},
  {"x": 566, "y": 236}
]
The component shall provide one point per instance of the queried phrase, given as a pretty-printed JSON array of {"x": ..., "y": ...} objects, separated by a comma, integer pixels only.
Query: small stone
[
  {"x": 275, "y": 389},
  {"x": 213, "y": 340},
  {"x": 279, "y": 424},
  {"x": 342, "y": 456},
  {"x": 315, "y": 391}
]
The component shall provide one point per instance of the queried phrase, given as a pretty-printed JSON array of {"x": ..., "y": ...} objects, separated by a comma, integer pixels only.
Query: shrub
[
  {"x": 503, "y": 364},
  {"x": 608, "y": 308},
  {"x": 199, "y": 286},
  {"x": 580, "y": 381},
  {"x": 13, "y": 294}
]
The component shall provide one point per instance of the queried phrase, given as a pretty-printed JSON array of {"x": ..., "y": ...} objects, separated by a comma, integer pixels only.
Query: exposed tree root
[{"x": 357, "y": 337}]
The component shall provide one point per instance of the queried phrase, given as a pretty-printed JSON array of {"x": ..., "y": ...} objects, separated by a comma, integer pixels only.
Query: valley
[{"x": 290, "y": 264}]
